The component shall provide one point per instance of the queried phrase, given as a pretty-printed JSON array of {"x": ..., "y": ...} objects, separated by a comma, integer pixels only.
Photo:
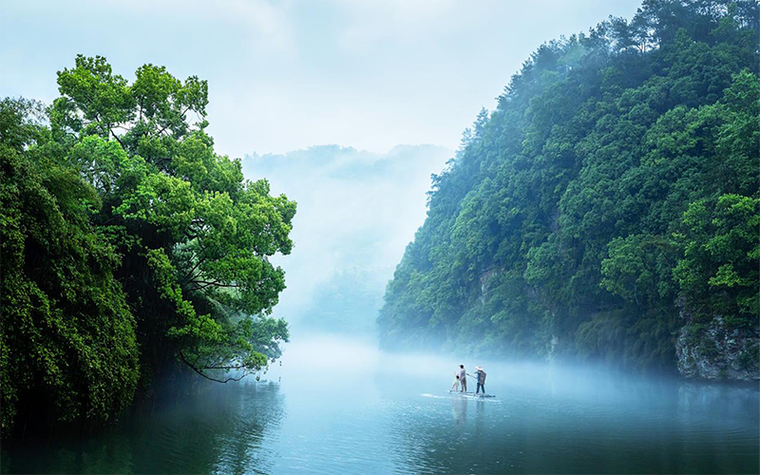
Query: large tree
[
  {"x": 195, "y": 235},
  {"x": 124, "y": 229}
]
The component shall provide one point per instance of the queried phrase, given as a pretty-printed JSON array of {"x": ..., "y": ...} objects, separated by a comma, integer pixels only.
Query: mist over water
[{"x": 340, "y": 405}]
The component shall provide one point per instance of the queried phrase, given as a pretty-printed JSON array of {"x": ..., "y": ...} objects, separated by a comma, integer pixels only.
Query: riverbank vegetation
[
  {"x": 608, "y": 208},
  {"x": 128, "y": 244}
]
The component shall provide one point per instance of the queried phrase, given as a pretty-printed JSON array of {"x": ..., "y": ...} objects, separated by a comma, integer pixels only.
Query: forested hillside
[
  {"x": 608, "y": 208},
  {"x": 128, "y": 245}
]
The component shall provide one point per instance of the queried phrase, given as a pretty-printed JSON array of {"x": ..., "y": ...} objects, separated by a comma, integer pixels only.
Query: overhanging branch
[{"x": 194, "y": 368}]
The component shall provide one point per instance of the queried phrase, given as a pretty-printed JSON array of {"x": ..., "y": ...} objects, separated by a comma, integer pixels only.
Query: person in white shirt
[{"x": 462, "y": 379}]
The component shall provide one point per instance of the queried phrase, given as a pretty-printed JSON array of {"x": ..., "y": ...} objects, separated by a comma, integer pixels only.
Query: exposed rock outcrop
[
  {"x": 714, "y": 351},
  {"x": 485, "y": 279}
]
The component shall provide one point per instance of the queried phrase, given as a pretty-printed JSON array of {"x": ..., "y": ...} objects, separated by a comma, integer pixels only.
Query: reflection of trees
[
  {"x": 211, "y": 428},
  {"x": 260, "y": 413},
  {"x": 4, "y": 463},
  {"x": 724, "y": 401}
]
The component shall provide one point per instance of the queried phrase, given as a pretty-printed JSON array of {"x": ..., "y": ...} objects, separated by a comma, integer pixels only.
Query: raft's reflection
[{"x": 459, "y": 409}]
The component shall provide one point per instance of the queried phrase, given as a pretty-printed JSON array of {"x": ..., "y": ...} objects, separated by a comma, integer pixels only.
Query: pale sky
[
  {"x": 285, "y": 75},
  {"x": 356, "y": 213}
]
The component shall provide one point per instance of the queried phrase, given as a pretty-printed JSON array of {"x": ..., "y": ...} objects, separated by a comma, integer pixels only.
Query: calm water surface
[{"x": 336, "y": 406}]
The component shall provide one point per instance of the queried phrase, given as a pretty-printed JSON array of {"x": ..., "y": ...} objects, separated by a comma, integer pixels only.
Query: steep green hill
[{"x": 608, "y": 208}]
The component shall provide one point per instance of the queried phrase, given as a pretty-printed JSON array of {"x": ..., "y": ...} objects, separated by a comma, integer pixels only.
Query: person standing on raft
[
  {"x": 462, "y": 379},
  {"x": 455, "y": 386},
  {"x": 481, "y": 375}
]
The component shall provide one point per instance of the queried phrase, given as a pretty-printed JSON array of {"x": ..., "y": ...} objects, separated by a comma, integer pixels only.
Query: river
[{"x": 338, "y": 405}]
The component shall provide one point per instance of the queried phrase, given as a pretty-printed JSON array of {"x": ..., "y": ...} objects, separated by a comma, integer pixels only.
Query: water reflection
[
  {"x": 210, "y": 428},
  {"x": 344, "y": 407},
  {"x": 459, "y": 409},
  {"x": 585, "y": 421}
]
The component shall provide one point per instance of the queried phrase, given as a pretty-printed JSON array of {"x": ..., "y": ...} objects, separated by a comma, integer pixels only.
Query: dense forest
[
  {"x": 607, "y": 209},
  {"x": 128, "y": 246}
]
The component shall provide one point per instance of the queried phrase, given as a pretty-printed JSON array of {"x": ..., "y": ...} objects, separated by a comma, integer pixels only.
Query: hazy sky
[
  {"x": 288, "y": 75},
  {"x": 285, "y": 75},
  {"x": 357, "y": 211}
]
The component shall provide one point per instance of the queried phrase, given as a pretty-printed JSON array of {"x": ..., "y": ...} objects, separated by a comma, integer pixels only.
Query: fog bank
[{"x": 357, "y": 211}]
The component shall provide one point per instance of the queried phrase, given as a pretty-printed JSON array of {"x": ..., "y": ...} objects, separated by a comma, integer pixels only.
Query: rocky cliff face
[
  {"x": 713, "y": 351},
  {"x": 485, "y": 280}
]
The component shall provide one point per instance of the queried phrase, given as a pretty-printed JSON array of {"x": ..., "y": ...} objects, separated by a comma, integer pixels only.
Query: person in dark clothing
[{"x": 481, "y": 375}]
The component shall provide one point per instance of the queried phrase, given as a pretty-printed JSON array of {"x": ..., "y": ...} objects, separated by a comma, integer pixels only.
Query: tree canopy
[{"x": 129, "y": 243}]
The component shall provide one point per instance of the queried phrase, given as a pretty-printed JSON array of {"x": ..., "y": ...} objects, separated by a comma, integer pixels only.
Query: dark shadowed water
[{"x": 338, "y": 406}]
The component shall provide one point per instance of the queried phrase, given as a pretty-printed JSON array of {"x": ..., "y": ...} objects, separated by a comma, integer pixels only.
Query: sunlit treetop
[{"x": 176, "y": 207}]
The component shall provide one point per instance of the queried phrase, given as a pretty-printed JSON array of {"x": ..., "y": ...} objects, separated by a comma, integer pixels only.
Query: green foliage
[
  {"x": 156, "y": 241},
  {"x": 67, "y": 336},
  {"x": 718, "y": 273},
  {"x": 615, "y": 182},
  {"x": 198, "y": 234},
  {"x": 637, "y": 269}
]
